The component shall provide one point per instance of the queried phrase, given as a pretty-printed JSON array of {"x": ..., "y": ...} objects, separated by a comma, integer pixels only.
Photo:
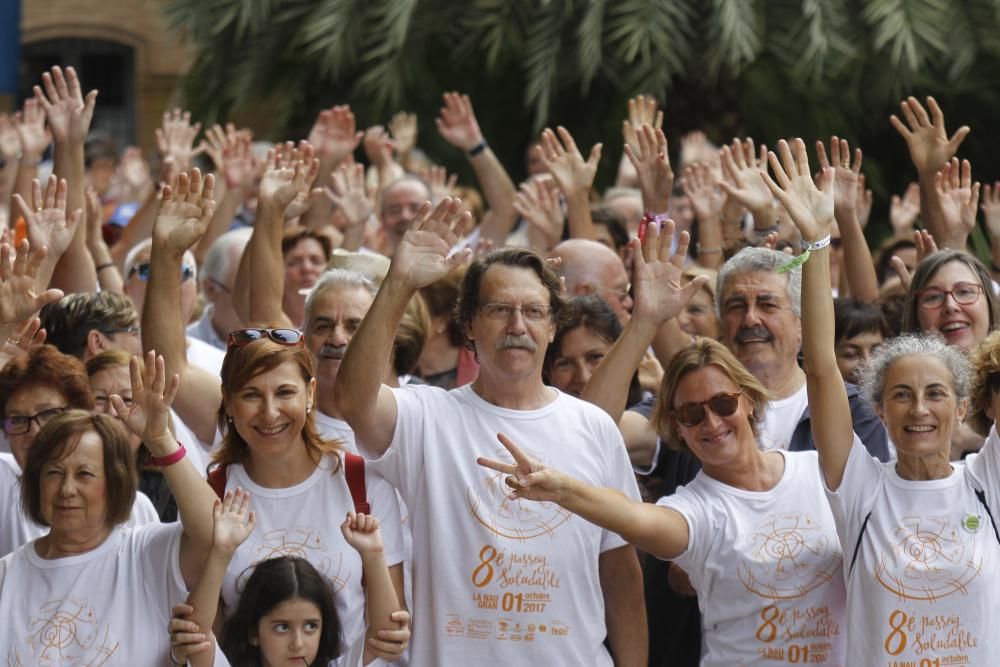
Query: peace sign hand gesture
[{"x": 530, "y": 479}]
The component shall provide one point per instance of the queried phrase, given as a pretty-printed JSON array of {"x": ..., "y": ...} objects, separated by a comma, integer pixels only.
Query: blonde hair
[{"x": 985, "y": 359}]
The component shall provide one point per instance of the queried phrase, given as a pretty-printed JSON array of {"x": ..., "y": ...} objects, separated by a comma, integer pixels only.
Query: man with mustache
[
  {"x": 495, "y": 581},
  {"x": 759, "y": 308}
]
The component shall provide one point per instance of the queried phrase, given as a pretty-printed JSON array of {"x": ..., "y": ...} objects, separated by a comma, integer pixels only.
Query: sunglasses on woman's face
[
  {"x": 722, "y": 405},
  {"x": 242, "y": 337}
]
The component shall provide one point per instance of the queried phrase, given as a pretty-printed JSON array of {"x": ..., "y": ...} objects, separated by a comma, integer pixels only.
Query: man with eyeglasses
[
  {"x": 590, "y": 267},
  {"x": 218, "y": 274},
  {"x": 495, "y": 581},
  {"x": 136, "y": 273}
]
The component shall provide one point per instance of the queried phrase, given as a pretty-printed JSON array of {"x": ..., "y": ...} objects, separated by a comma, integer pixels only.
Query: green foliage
[{"x": 770, "y": 68}]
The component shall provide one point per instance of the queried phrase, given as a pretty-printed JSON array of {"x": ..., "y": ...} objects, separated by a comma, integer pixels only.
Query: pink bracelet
[{"x": 169, "y": 459}]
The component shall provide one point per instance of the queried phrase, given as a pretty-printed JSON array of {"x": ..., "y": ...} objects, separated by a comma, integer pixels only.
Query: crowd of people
[{"x": 266, "y": 405}]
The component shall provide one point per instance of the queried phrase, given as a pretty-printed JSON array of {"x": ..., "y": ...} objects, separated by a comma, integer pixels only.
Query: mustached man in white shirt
[{"x": 495, "y": 581}]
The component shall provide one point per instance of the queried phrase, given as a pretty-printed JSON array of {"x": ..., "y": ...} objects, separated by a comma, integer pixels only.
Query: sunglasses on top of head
[{"x": 242, "y": 337}]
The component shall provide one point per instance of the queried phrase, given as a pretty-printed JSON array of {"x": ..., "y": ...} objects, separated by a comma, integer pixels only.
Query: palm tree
[{"x": 769, "y": 68}]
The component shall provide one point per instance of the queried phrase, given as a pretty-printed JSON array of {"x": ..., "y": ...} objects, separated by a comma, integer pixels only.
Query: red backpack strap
[
  {"x": 354, "y": 471},
  {"x": 217, "y": 480}
]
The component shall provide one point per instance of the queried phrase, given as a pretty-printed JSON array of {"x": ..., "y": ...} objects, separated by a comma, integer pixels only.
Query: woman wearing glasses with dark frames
[
  {"x": 753, "y": 530},
  {"x": 921, "y": 547}
]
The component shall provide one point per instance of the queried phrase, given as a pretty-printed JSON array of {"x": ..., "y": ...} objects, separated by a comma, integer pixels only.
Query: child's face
[{"x": 290, "y": 634}]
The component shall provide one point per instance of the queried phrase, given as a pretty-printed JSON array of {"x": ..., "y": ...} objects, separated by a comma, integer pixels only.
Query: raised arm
[
  {"x": 19, "y": 297},
  {"x": 574, "y": 176},
  {"x": 108, "y": 274},
  {"x": 421, "y": 259},
  {"x": 741, "y": 169},
  {"x": 702, "y": 186},
  {"x": 180, "y": 222},
  {"x": 232, "y": 153},
  {"x": 69, "y": 115},
  {"x": 811, "y": 209},
  {"x": 149, "y": 418},
  {"x": 458, "y": 126},
  {"x": 656, "y": 530},
  {"x": 382, "y": 599},
  {"x": 537, "y": 202},
  {"x": 351, "y": 195},
  {"x": 652, "y": 167},
  {"x": 334, "y": 137},
  {"x": 48, "y": 225},
  {"x": 35, "y": 139},
  {"x": 930, "y": 149},
  {"x": 858, "y": 264},
  {"x": 958, "y": 198}
]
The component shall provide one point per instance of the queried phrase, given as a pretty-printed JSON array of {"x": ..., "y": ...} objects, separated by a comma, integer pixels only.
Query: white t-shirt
[
  {"x": 196, "y": 450},
  {"x": 17, "y": 529},
  {"x": 924, "y": 586},
  {"x": 304, "y": 520},
  {"x": 109, "y": 606},
  {"x": 331, "y": 428},
  {"x": 767, "y": 567},
  {"x": 498, "y": 581},
  {"x": 780, "y": 419},
  {"x": 205, "y": 356}
]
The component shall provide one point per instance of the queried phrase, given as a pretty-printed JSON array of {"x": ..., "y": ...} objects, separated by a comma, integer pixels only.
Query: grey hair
[
  {"x": 147, "y": 244},
  {"x": 750, "y": 260},
  {"x": 405, "y": 178},
  {"x": 336, "y": 279},
  {"x": 219, "y": 258},
  {"x": 871, "y": 376}
]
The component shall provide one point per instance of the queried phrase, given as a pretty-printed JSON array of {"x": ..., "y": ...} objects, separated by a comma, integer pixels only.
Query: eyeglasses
[
  {"x": 21, "y": 424},
  {"x": 242, "y": 337},
  {"x": 504, "y": 311},
  {"x": 692, "y": 414},
  {"x": 964, "y": 294},
  {"x": 187, "y": 272},
  {"x": 132, "y": 330}
]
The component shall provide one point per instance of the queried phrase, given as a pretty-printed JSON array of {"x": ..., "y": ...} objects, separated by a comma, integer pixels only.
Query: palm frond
[
  {"x": 542, "y": 45},
  {"x": 735, "y": 36},
  {"x": 909, "y": 31},
  {"x": 590, "y": 42}
]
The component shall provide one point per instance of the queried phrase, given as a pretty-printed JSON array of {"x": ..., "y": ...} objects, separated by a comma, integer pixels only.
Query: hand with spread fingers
[
  {"x": 350, "y": 194},
  {"x": 30, "y": 125},
  {"x": 702, "y": 187},
  {"x": 925, "y": 135},
  {"x": 865, "y": 199},
  {"x": 528, "y": 478},
  {"x": 959, "y": 198},
  {"x": 741, "y": 181},
  {"x": 810, "y": 206},
  {"x": 184, "y": 213},
  {"x": 335, "y": 135},
  {"x": 287, "y": 183},
  {"x": 18, "y": 299},
  {"x": 68, "y": 112},
  {"x": 152, "y": 395},
  {"x": 564, "y": 161},
  {"x": 845, "y": 177},
  {"x": 538, "y": 203},
  {"x": 652, "y": 166},
  {"x": 403, "y": 128},
  {"x": 991, "y": 209},
  {"x": 904, "y": 211},
  {"x": 175, "y": 138},
  {"x": 46, "y": 219},
  {"x": 424, "y": 254},
  {"x": 642, "y": 110},
  {"x": 457, "y": 124},
  {"x": 656, "y": 276},
  {"x": 440, "y": 183}
]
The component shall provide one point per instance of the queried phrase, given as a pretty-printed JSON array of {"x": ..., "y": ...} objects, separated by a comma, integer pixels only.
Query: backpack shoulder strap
[
  {"x": 857, "y": 545},
  {"x": 354, "y": 471},
  {"x": 217, "y": 480},
  {"x": 981, "y": 495}
]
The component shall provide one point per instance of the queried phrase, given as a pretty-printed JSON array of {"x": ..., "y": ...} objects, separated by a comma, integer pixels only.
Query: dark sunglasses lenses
[
  {"x": 285, "y": 336},
  {"x": 692, "y": 414},
  {"x": 282, "y": 336}
]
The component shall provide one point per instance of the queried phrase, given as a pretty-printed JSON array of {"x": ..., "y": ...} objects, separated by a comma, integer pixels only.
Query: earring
[
  {"x": 309, "y": 408},
  {"x": 229, "y": 418}
]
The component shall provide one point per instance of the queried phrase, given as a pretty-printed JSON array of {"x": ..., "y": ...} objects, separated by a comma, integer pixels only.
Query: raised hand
[
  {"x": 18, "y": 300},
  {"x": 741, "y": 170},
  {"x": 46, "y": 219},
  {"x": 441, "y": 185},
  {"x": 652, "y": 167},
  {"x": 287, "y": 183},
  {"x": 403, "y": 128},
  {"x": 529, "y": 478},
  {"x": 656, "y": 276},
  {"x": 702, "y": 187},
  {"x": 903, "y": 211},
  {"x": 362, "y": 533},
  {"x": 925, "y": 136},
  {"x": 864, "y": 209},
  {"x": 149, "y": 415},
  {"x": 233, "y": 521},
  {"x": 642, "y": 110},
  {"x": 845, "y": 176},
  {"x": 959, "y": 198},
  {"x": 925, "y": 246},
  {"x": 810, "y": 207},
  {"x": 350, "y": 195},
  {"x": 379, "y": 146},
  {"x": 30, "y": 124},
  {"x": 184, "y": 215},
  {"x": 231, "y": 151},
  {"x": 563, "y": 160},
  {"x": 991, "y": 209},
  {"x": 68, "y": 112},
  {"x": 422, "y": 256},
  {"x": 133, "y": 176},
  {"x": 175, "y": 138},
  {"x": 457, "y": 124},
  {"x": 537, "y": 201},
  {"x": 335, "y": 134},
  {"x": 10, "y": 141}
]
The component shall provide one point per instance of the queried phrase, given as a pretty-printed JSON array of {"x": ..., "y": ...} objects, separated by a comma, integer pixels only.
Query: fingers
[
  {"x": 520, "y": 458},
  {"x": 900, "y": 268},
  {"x": 182, "y": 609},
  {"x": 499, "y": 466}
]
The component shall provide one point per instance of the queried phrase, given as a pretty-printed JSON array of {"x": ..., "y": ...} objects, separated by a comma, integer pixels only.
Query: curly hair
[
  {"x": 871, "y": 376},
  {"x": 985, "y": 361}
]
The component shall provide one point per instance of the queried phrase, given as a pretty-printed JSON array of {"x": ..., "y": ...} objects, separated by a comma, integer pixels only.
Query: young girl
[{"x": 286, "y": 614}]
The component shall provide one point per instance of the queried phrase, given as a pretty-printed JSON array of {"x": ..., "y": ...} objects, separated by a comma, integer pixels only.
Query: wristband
[
  {"x": 478, "y": 148},
  {"x": 658, "y": 218},
  {"x": 816, "y": 245},
  {"x": 109, "y": 265},
  {"x": 765, "y": 232},
  {"x": 169, "y": 459},
  {"x": 706, "y": 251},
  {"x": 795, "y": 263}
]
